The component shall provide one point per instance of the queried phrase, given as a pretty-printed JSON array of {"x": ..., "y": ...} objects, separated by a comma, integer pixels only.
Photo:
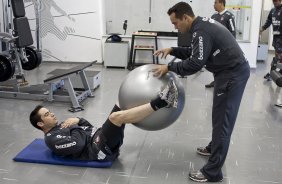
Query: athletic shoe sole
[
  {"x": 194, "y": 179},
  {"x": 203, "y": 154}
]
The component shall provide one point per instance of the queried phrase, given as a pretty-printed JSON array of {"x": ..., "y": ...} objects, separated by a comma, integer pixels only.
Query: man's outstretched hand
[{"x": 163, "y": 52}]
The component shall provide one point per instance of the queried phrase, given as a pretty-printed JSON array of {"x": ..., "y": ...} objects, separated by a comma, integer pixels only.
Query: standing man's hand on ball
[{"x": 160, "y": 70}]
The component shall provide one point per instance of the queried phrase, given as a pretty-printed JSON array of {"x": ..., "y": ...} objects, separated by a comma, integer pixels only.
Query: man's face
[
  {"x": 276, "y": 3},
  {"x": 182, "y": 25},
  {"x": 217, "y": 5},
  {"x": 49, "y": 120}
]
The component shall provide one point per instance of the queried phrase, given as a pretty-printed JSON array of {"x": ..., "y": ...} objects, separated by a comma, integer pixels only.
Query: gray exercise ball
[{"x": 140, "y": 87}]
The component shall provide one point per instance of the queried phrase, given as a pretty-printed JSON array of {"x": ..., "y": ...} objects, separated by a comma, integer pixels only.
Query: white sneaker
[{"x": 170, "y": 94}]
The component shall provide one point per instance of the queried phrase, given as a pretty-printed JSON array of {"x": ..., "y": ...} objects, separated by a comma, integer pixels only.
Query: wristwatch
[{"x": 169, "y": 66}]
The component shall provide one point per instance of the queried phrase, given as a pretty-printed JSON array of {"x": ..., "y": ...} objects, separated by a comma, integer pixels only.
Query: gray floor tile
[{"x": 165, "y": 156}]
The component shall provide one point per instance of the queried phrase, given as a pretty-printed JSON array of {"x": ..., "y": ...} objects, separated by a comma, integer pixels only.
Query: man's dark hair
[
  {"x": 34, "y": 117},
  {"x": 180, "y": 9},
  {"x": 222, "y": 1}
]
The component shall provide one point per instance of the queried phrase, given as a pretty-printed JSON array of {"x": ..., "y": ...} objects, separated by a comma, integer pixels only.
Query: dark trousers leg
[
  {"x": 277, "y": 59},
  {"x": 274, "y": 63},
  {"x": 113, "y": 134},
  {"x": 208, "y": 147},
  {"x": 277, "y": 44},
  {"x": 228, "y": 93}
]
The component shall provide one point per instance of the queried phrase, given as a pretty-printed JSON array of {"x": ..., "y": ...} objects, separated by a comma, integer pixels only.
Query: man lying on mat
[{"x": 76, "y": 138}]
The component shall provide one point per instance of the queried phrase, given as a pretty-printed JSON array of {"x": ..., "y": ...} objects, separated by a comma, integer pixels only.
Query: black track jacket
[{"x": 212, "y": 46}]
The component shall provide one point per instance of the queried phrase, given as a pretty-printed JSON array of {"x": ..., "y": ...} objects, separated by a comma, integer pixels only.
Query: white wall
[
  {"x": 250, "y": 49},
  {"x": 137, "y": 13},
  {"x": 1, "y": 23},
  {"x": 75, "y": 38},
  {"x": 70, "y": 30},
  {"x": 267, "y": 7}
]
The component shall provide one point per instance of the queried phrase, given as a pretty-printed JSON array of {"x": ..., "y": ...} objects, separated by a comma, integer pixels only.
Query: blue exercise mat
[{"x": 38, "y": 152}]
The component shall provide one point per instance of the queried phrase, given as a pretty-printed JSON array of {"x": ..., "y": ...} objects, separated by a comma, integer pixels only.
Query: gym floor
[{"x": 165, "y": 156}]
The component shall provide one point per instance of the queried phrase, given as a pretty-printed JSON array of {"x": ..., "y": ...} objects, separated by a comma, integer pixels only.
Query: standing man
[
  {"x": 275, "y": 18},
  {"x": 215, "y": 47},
  {"x": 224, "y": 17}
]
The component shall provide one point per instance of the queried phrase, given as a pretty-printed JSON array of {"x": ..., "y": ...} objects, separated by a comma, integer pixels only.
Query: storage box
[{"x": 116, "y": 54}]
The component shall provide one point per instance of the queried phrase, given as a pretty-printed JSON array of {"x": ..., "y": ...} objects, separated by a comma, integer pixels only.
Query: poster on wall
[{"x": 68, "y": 31}]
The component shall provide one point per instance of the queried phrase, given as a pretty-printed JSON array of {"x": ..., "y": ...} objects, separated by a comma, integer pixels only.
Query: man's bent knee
[{"x": 116, "y": 118}]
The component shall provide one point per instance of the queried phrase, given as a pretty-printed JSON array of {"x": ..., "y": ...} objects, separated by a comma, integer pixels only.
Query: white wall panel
[{"x": 70, "y": 30}]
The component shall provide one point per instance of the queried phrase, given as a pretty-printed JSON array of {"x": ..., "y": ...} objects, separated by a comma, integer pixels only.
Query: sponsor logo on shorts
[
  {"x": 101, "y": 155},
  {"x": 61, "y": 136},
  {"x": 84, "y": 127}
]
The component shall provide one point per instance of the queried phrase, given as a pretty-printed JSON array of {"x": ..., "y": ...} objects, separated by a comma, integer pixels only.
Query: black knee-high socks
[{"x": 158, "y": 103}]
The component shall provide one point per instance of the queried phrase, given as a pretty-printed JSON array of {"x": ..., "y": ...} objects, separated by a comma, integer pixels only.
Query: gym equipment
[
  {"x": 276, "y": 77},
  {"x": 18, "y": 8},
  {"x": 52, "y": 89},
  {"x": 132, "y": 56},
  {"x": 275, "y": 74},
  {"x": 140, "y": 87},
  {"x": 38, "y": 152},
  {"x": 34, "y": 59},
  {"x": 93, "y": 78},
  {"x": 7, "y": 68},
  {"x": 19, "y": 51},
  {"x": 18, "y": 39},
  {"x": 22, "y": 32}
]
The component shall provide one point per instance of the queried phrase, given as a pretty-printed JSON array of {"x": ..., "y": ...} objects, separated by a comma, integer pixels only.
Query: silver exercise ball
[{"x": 140, "y": 87}]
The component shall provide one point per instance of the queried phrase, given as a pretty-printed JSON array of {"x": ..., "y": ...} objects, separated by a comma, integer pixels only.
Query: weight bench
[
  {"x": 65, "y": 77},
  {"x": 50, "y": 90}
]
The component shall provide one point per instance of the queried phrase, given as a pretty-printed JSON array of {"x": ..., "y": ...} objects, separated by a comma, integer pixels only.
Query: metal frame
[
  {"x": 16, "y": 91},
  {"x": 7, "y": 20},
  {"x": 54, "y": 85},
  {"x": 73, "y": 97},
  {"x": 37, "y": 8}
]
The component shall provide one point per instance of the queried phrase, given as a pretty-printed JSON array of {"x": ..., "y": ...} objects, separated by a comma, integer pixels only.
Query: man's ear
[
  {"x": 40, "y": 124},
  {"x": 185, "y": 17}
]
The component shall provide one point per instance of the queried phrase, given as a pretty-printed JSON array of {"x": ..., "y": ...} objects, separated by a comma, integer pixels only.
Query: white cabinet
[
  {"x": 116, "y": 54},
  {"x": 262, "y": 52}
]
